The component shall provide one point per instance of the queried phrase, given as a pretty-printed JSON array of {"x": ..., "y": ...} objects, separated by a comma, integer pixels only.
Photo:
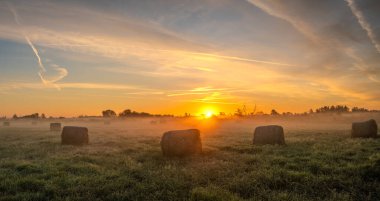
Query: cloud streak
[
  {"x": 277, "y": 11},
  {"x": 271, "y": 57},
  {"x": 62, "y": 72},
  {"x": 364, "y": 23},
  {"x": 333, "y": 54}
]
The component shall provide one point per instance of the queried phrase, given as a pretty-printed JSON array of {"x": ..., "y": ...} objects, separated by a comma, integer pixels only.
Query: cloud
[
  {"x": 278, "y": 10},
  {"x": 117, "y": 38},
  {"x": 307, "y": 50},
  {"x": 363, "y": 23},
  {"x": 70, "y": 85},
  {"x": 334, "y": 48},
  {"x": 62, "y": 72}
]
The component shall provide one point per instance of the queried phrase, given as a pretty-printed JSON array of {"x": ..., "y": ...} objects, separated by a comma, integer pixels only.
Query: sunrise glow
[
  {"x": 209, "y": 114},
  {"x": 165, "y": 59},
  {"x": 189, "y": 100}
]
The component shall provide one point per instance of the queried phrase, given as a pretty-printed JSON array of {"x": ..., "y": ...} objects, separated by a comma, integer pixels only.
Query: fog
[{"x": 207, "y": 126}]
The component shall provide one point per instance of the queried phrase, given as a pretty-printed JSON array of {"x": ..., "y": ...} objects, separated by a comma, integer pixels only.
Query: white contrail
[
  {"x": 298, "y": 24},
  {"x": 363, "y": 23},
  {"x": 62, "y": 71},
  {"x": 36, "y": 53}
]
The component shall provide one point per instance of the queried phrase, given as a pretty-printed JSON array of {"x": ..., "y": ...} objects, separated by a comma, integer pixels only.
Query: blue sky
[{"x": 169, "y": 56}]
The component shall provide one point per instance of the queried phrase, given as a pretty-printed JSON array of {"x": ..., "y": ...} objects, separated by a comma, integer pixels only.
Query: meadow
[{"x": 124, "y": 162}]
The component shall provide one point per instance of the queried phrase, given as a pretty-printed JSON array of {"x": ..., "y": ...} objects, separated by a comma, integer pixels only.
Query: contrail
[
  {"x": 62, "y": 71},
  {"x": 36, "y": 53},
  {"x": 299, "y": 25},
  {"x": 363, "y": 23}
]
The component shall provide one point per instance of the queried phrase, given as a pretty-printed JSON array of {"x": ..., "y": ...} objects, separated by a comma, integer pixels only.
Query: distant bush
[
  {"x": 131, "y": 113},
  {"x": 356, "y": 109},
  {"x": 109, "y": 113},
  {"x": 31, "y": 116},
  {"x": 274, "y": 112},
  {"x": 333, "y": 109}
]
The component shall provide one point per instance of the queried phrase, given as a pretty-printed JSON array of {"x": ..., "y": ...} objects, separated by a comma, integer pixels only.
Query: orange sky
[{"x": 70, "y": 58}]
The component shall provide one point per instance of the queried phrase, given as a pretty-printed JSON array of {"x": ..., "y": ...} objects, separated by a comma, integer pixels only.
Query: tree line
[
  {"x": 338, "y": 109},
  {"x": 31, "y": 116},
  {"x": 342, "y": 109},
  {"x": 130, "y": 113},
  {"x": 240, "y": 112}
]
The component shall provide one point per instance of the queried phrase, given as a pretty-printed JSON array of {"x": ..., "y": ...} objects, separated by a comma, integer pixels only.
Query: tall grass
[{"x": 127, "y": 164}]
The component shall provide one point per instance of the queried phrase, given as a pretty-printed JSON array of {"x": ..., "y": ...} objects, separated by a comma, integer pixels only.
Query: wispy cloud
[
  {"x": 364, "y": 23},
  {"x": 62, "y": 72},
  {"x": 178, "y": 61},
  {"x": 275, "y": 9},
  {"x": 70, "y": 85},
  {"x": 118, "y": 48},
  {"x": 331, "y": 50},
  {"x": 198, "y": 91},
  {"x": 145, "y": 41}
]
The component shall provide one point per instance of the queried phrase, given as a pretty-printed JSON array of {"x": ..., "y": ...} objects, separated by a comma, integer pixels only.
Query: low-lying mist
[{"x": 207, "y": 126}]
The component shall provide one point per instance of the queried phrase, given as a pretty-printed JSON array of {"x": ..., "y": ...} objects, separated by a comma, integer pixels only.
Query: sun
[{"x": 209, "y": 114}]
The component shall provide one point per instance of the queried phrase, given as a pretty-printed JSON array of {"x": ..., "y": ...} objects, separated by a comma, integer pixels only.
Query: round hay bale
[
  {"x": 181, "y": 142},
  {"x": 7, "y": 123},
  {"x": 55, "y": 126},
  {"x": 72, "y": 135},
  {"x": 366, "y": 129},
  {"x": 271, "y": 134}
]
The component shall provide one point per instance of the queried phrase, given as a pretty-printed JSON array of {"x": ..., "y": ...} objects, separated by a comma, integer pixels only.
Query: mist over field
[
  {"x": 157, "y": 125},
  {"x": 124, "y": 161},
  {"x": 190, "y": 100}
]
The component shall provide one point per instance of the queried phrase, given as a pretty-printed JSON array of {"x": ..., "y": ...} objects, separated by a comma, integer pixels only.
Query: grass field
[{"x": 124, "y": 162}]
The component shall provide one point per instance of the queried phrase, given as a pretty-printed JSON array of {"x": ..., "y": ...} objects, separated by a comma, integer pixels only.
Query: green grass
[{"x": 122, "y": 164}]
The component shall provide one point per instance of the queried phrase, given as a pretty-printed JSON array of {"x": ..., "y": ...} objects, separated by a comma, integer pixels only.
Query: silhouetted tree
[
  {"x": 109, "y": 113},
  {"x": 274, "y": 112},
  {"x": 125, "y": 113},
  {"x": 357, "y": 109},
  {"x": 130, "y": 113},
  {"x": 32, "y": 116},
  {"x": 254, "y": 110},
  {"x": 287, "y": 113},
  {"x": 243, "y": 111},
  {"x": 239, "y": 112},
  {"x": 333, "y": 109}
]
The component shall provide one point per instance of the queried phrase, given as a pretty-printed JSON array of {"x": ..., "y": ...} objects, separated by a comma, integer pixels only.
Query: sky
[{"x": 69, "y": 58}]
